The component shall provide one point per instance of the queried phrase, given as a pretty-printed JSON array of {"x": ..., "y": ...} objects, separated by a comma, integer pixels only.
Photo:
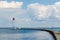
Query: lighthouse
[
  {"x": 13, "y": 19},
  {"x": 13, "y": 23}
]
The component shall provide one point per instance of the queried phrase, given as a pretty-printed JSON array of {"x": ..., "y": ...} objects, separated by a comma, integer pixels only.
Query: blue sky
[
  {"x": 30, "y": 13},
  {"x": 26, "y": 2}
]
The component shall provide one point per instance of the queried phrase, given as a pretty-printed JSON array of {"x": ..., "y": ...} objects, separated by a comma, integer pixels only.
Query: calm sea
[{"x": 12, "y": 34}]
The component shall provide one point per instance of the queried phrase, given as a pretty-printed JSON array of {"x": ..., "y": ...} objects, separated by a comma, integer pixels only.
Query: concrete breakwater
[{"x": 57, "y": 34}]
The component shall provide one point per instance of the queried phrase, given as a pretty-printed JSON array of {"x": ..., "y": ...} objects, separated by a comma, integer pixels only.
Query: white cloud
[
  {"x": 13, "y": 4},
  {"x": 38, "y": 10},
  {"x": 41, "y": 11},
  {"x": 57, "y": 9}
]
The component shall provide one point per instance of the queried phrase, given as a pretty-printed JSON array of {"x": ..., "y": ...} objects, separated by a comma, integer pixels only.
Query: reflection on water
[{"x": 8, "y": 34}]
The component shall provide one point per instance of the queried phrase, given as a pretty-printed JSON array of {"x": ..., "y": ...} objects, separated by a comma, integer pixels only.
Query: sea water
[
  {"x": 10, "y": 34},
  {"x": 55, "y": 29}
]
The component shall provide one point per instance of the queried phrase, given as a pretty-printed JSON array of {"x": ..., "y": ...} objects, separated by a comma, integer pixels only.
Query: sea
[{"x": 18, "y": 34}]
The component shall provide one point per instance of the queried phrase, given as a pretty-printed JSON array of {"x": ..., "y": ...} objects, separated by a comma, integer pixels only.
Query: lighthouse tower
[
  {"x": 13, "y": 19},
  {"x": 13, "y": 23}
]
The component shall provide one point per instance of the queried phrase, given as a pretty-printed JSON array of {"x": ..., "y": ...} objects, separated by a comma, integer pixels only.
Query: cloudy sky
[{"x": 30, "y": 13}]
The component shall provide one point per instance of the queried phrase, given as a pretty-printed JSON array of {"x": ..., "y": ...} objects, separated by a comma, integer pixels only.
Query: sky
[{"x": 30, "y": 13}]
